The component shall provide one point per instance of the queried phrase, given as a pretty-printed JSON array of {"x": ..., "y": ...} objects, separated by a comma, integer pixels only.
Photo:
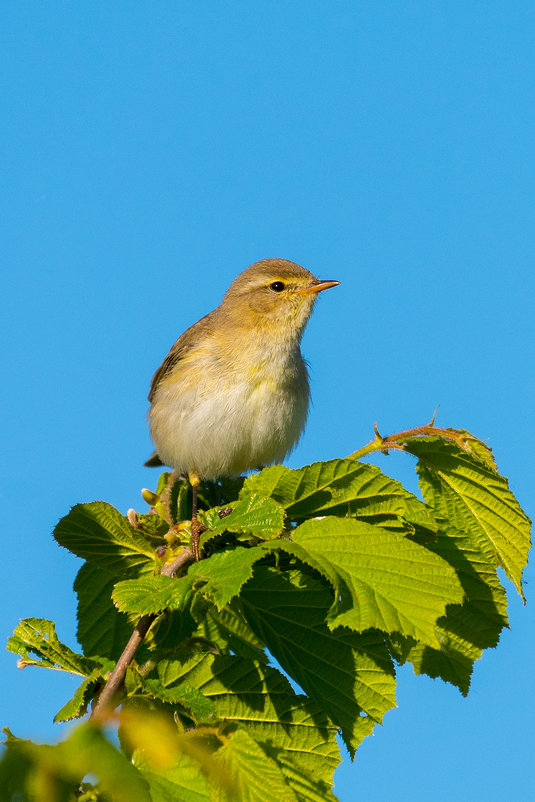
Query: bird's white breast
[{"x": 221, "y": 418}]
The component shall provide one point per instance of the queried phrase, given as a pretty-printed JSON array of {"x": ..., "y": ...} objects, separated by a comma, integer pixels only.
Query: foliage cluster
[{"x": 334, "y": 573}]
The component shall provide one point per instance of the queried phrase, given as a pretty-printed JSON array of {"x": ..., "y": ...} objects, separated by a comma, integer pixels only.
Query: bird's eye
[{"x": 277, "y": 286}]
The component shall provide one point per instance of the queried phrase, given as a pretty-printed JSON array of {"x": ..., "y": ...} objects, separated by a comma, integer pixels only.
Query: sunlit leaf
[
  {"x": 98, "y": 533},
  {"x": 261, "y": 700},
  {"x": 258, "y": 777},
  {"x": 381, "y": 579},
  {"x": 472, "y": 497},
  {"x": 255, "y": 515},
  {"x": 222, "y": 575},
  {"x": 342, "y": 487},
  {"x": 35, "y": 640},
  {"x": 152, "y": 594}
]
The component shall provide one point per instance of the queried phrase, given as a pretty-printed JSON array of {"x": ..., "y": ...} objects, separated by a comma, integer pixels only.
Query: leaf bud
[
  {"x": 131, "y": 514},
  {"x": 151, "y": 498}
]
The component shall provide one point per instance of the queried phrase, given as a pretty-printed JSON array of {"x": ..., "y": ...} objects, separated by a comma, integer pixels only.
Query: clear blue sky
[{"x": 150, "y": 152}]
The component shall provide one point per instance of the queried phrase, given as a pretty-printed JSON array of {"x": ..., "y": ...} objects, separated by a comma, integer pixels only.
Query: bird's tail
[{"x": 153, "y": 461}]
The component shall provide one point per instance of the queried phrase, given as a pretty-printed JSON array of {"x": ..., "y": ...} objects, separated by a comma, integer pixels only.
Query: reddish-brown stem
[
  {"x": 396, "y": 440},
  {"x": 195, "y": 525},
  {"x": 107, "y": 702}
]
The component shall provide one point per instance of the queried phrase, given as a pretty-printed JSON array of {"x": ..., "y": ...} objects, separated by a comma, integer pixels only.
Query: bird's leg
[{"x": 195, "y": 524}]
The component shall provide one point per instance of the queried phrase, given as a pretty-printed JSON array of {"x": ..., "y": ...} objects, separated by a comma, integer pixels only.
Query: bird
[{"x": 232, "y": 395}]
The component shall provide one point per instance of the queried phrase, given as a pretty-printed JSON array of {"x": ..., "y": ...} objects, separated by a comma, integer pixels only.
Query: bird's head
[{"x": 274, "y": 296}]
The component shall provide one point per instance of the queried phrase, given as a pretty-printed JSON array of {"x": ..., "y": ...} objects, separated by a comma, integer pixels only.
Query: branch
[
  {"x": 105, "y": 702},
  {"x": 383, "y": 444}
]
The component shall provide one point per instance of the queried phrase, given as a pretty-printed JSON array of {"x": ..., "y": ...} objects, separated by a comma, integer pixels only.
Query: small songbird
[{"x": 232, "y": 394}]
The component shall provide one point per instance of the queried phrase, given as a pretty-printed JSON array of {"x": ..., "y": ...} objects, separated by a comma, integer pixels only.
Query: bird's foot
[{"x": 197, "y": 528}]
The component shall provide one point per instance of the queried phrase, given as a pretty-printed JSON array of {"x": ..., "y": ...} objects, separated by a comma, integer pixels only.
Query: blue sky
[{"x": 150, "y": 152}]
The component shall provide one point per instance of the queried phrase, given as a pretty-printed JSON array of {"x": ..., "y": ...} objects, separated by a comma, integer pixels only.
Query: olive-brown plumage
[{"x": 233, "y": 394}]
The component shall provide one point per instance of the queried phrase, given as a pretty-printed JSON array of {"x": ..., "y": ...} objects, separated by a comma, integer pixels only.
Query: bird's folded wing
[{"x": 179, "y": 349}]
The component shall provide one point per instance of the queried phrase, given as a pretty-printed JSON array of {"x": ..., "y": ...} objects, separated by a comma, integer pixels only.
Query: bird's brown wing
[
  {"x": 166, "y": 367},
  {"x": 178, "y": 349}
]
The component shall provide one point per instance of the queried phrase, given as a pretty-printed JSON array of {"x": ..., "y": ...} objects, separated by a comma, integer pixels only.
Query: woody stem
[
  {"x": 106, "y": 701},
  {"x": 195, "y": 525}
]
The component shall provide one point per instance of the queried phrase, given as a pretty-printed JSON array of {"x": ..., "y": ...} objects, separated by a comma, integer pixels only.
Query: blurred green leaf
[
  {"x": 183, "y": 781},
  {"x": 45, "y": 773}
]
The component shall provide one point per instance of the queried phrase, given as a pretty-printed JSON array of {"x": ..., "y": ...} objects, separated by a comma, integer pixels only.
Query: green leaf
[
  {"x": 261, "y": 700},
  {"x": 472, "y": 445},
  {"x": 469, "y": 628},
  {"x": 174, "y": 496},
  {"x": 26, "y": 767},
  {"x": 253, "y": 515},
  {"x": 98, "y": 533},
  {"x": 152, "y": 594},
  {"x": 304, "y": 783},
  {"x": 200, "y": 707},
  {"x": 153, "y": 528},
  {"x": 342, "y": 487},
  {"x": 228, "y": 630},
  {"x": 168, "y": 632},
  {"x": 37, "y": 636},
  {"x": 183, "y": 782},
  {"x": 221, "y": 576},
  {"x": 472, "y": 497},
  {"x": 222, "y": 491},
  {"x": 57, "y": 771},
  {"x": 88, "y": 751},
  {"x": 257, "y": 776},
  {"x": 157, "y": 744},
  {"x": 102, "y": 630},
  {"x": 381, "y": 579},
  {"x": 77, "y": 706},
  {"x": 484, "y": 609},
  {"x": 349, "y": 675}
]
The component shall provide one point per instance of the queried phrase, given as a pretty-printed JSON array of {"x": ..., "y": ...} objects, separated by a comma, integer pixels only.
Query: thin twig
[
  {"x": 396, "y": 440},
  {"x": 170, "y": 569},
  {"x": 105, "y": 702}
]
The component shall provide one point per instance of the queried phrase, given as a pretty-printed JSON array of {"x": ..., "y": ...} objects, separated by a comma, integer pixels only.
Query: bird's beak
[{"x": 318, "y": 285}]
